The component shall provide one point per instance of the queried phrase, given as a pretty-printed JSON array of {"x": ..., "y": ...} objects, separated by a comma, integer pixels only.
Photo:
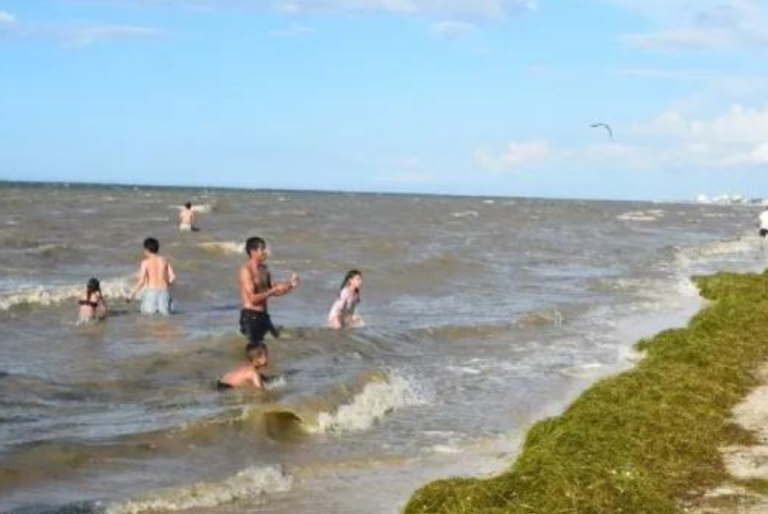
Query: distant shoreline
[
  {"x": 647, "y": 440},
  {"x": 241, "y": 189}
]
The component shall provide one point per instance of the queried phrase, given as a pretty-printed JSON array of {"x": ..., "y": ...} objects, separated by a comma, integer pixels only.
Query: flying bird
[{"x": 605, "y": 126}]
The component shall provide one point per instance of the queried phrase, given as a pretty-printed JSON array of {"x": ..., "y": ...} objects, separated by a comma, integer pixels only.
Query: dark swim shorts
[
  {"x": 255, "y": 325},
  {"x": 763, "y": 232}
]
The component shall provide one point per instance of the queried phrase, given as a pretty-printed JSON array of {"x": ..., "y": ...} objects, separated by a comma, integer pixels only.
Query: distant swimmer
[
  {"x": 343, "y": 312},
  {"x": 256, "y": 288},
  {"x": 187, "y": 218},
  {"x": 91, "y": 305},
  {"x": 762, "y": 223},
  {"x": 247, "y": 373},
  {"x": 605, "y": 126},
  {"x": 156, "y": 274}
]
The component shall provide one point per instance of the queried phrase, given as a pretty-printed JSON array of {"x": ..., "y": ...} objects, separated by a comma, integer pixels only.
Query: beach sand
[{"x": 747, "y": 464}]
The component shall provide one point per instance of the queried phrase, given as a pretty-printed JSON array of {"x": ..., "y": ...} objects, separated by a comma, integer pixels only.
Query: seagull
[{"x": 604, "y": 125}]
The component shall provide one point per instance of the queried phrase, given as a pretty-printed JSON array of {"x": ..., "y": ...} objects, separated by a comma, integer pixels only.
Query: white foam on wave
[
  {"x": 52, "y": 295},
  {"x": 465, "y": 214},
  {"x": 203, "y": 208},
  {"x": 747, "y": 244},
  {"x": 651, "y": 215},
  {"x": 376, "y": 400},
  {"x": 229, "y": 247},
  {"x": 250, "y": 484}
]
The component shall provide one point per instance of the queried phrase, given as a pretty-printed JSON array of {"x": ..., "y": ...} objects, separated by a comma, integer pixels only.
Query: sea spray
[
  {"x": 52, "y": 295},
  {"x": 377, "y": 399},
  {"x": 252, "y": 483}
]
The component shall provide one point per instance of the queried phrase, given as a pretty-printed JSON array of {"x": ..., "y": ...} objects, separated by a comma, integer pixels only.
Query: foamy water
[
  {"x": 482, "y": 315},
  {"x": 252, "y": 485},
  {"x": 377, "y": 399}
]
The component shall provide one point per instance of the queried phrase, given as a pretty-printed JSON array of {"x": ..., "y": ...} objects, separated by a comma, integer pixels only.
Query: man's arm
[
  {"x": 283, "y": 288},
  {"x": 257, "y": 382},
  {"x": 171, "y": 274}
]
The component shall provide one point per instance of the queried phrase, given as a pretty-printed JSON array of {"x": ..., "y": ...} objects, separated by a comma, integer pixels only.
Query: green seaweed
[{"x": 644, "y": 441}]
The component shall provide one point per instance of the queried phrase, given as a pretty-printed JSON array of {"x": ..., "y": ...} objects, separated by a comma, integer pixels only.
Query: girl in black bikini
[{"x": 90, "y": 302}]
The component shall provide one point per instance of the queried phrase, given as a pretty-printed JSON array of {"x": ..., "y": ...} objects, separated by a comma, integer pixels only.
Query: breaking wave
[
  {"x": 253, "y": 483},
  {"x": 652, "y": 215},
  {"x": 344, "y": 409},
  {"x": 52, "y": 295},
  {"x": 225, "y": 247}
]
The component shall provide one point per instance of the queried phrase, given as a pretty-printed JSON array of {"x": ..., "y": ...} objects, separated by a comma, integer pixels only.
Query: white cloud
[
  {"x": 293, "y": 31},
  {"x": 517, "y": 155},
  {"x": 736, "y": 138},
  {"x": 77, "y": 35},
  {"x": 452, "y": 29},
  {"x": 89, "y": 34},
  {"x": 441, "y": 9},
  {"x": 7, "y": 18},
  {"x": 682, "y": 39},
  {"x": 703, "y": 25}
]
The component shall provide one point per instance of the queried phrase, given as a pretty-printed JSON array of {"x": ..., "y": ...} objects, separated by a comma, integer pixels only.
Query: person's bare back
[
  {"x": 157, "y": 271},
  {"x": 187, "y": 218},
  {"x": 248, "y": 373},
  {"x": 156, "y": 275}
]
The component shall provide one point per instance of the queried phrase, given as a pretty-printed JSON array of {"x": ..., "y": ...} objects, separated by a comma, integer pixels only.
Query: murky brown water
[{"x": 482, "y": 315}]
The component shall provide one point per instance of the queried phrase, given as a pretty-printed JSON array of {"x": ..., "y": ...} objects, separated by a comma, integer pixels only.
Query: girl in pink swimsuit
[{"x": 343, "y": 311}]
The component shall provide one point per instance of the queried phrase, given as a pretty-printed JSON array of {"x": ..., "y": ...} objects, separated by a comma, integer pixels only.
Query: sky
[{"x": 476, "y": 97}]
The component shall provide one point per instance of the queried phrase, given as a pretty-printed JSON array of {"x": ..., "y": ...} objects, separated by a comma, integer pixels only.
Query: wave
[
  {"x": 226, "y": 247},
  {"x": 544, "y": 317},
  {"x": 251, "y": 484},
  {"x": 52, "y": 295},
  {"x": 747, "y": 243},
  {"x": 342, "y": 409},
  {"x": 652, "y": 215},
  {"x": 465, "y": 214},
  {"x": 375, "y": 401},
  {"x": 203, "y": 208}
]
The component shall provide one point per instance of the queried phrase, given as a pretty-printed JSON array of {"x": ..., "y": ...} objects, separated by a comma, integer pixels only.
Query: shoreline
[{"x": 647, "y": 440}]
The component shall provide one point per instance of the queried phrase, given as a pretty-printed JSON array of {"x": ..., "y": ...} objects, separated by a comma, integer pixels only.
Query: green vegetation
[{"x": 644, "y": 441}]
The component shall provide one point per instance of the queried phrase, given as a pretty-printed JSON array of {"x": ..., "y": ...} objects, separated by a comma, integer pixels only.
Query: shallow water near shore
[{"x": 482, "y": 315}]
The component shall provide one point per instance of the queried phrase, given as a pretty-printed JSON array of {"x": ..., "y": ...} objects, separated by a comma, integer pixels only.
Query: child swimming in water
[
  {"x": 343, "y": 310},
  {"x": 91, "y": 305},
  {"x": 247, "y": 373}
]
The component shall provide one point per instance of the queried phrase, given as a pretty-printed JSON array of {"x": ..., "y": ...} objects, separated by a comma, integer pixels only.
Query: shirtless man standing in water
[
  {"x": 187, "y": 218},
  {"x": 156, "y": 274},
  {"x": 256, "y": 288}
]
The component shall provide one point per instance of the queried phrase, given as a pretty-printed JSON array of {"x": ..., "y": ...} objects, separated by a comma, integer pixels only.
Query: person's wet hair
[
  {"x": 255, "y": 351},
  {"x": 93, "y": 286},
  {"x": 254, "y": 243},
  {"x": 188, "y": 205},
  {"x": 151, "y": 245},
  {"x": 349, "y": 276}
]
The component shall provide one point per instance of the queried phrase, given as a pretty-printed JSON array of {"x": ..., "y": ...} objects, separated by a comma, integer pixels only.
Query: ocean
[{"x": 482, "y": 316}]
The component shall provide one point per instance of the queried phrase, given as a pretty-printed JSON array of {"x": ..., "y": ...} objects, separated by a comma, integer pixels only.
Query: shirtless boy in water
[
  {"x": 256, "y": 288},
  {"x": 187, "y": 218},
  {"x": 156, "y": 274},
  {"x": 247, "y": 373}
]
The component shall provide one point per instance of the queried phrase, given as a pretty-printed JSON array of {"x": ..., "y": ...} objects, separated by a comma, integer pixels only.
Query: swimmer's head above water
[
  {"x": 151, "y": 245},
  {"x": 188, "y": 205},
  {"x": 256, "y": 244},
  {"x": 353, "y": 277},
  {"x": 257, "y": 354},
  {"x": 93, "y": 286}
]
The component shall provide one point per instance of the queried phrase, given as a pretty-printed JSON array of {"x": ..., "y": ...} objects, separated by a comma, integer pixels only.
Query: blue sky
[{"x": 452, "y": 96}]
